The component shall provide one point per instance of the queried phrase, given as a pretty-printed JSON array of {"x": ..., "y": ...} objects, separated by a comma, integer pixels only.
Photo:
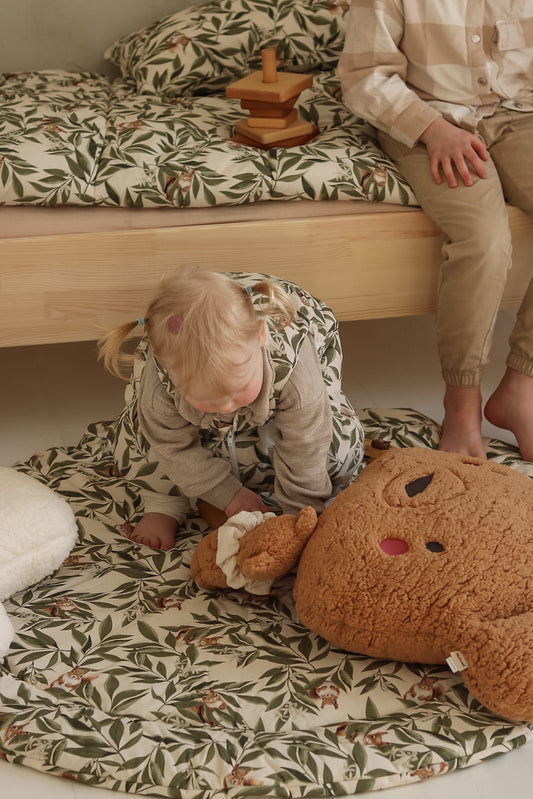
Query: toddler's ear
[{"x": 273, "y": 548}]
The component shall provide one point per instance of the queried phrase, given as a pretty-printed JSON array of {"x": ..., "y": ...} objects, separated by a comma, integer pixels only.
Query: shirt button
[
  {"x": 476, "y": 38},
  {"x": 482, "y": 81}
]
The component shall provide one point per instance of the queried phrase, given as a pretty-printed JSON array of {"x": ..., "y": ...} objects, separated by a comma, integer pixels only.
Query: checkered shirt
[{"x": 405, "y": 62}]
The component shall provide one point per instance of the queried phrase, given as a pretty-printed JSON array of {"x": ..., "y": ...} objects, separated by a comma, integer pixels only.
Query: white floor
[{"x": 49, "y": 394}]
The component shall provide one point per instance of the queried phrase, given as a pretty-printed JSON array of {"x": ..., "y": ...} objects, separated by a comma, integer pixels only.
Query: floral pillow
[
  {"x": 307, "y": 34},
  {"x": 201, "y": 49}
]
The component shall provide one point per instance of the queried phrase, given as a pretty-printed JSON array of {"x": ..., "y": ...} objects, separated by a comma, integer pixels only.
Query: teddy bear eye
[
  {"x": 417, "y": 486},
  {"x": 434, "y": 546}
]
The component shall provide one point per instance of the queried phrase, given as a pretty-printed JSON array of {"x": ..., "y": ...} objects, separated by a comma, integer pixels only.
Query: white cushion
[{"x": 37, "y": 532}]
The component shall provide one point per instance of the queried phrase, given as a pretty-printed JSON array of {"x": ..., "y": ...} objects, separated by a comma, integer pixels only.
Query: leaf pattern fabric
[
  {"x": 52, "y": 130},
  {"x": 200, "y": 50},
  {"x": 125, "y": 675},
  {"x": 83, "y": 139}
]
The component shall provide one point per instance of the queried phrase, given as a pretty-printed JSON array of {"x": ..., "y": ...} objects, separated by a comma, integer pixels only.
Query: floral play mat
[{"x": 124, "y": 675}]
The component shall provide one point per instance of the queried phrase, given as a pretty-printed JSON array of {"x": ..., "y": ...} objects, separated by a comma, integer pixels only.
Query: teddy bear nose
[{"x": 394, "y": 546}]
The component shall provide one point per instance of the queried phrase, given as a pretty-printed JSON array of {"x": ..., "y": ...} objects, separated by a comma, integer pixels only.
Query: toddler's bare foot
[
  {"x": 511, "y": 407},
  {"x": 156, "y": 530},
  {"x": 461, "y": 426}
]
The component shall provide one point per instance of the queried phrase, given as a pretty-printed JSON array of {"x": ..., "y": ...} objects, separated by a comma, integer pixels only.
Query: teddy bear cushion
[
  {"x": 37, "y": 531},
  {"x": 427, "y": 557},
  {"x": 428, "y": 553}
]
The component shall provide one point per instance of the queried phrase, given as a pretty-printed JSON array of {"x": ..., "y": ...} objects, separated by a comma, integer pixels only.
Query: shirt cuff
[
  {"x": 221, "y": 495},
  {"x": 411, "y": 123}
]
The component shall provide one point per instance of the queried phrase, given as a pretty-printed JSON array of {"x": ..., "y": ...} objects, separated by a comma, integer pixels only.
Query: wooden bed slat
[{"x": 373, "y": 265}]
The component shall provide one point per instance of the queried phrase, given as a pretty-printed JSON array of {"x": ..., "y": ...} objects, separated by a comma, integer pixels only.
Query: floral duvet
[{"x": 78, "y": 138}]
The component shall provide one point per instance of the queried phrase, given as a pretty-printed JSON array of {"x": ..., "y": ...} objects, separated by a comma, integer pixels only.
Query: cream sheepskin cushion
[{"x": 37, "y": 531}]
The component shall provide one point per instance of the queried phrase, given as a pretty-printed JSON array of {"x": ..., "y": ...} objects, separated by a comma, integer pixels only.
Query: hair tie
[
  {"x": 174, "y": 324},
  {"x": 140, "y": 321}
]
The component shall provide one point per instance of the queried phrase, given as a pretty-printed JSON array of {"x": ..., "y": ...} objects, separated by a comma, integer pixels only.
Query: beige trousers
[{"x": 477, "y": 251}]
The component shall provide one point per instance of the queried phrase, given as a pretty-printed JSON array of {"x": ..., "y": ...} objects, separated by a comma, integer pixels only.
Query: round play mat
[{"x": 124, "y": 674}]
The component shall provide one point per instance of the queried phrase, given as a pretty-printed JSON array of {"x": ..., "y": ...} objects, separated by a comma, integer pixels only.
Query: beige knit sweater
[{"x": 302, "y": 436}]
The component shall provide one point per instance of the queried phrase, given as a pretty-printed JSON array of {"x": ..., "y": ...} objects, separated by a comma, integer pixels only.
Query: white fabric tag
[{"x": 457, "y": 662}]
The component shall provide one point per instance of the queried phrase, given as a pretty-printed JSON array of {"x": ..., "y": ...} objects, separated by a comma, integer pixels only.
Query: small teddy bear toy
[{"x": 427, "y": 557}]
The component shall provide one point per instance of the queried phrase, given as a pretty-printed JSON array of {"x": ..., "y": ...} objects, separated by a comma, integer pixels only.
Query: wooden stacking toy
[{"x": 269, "y": 97}]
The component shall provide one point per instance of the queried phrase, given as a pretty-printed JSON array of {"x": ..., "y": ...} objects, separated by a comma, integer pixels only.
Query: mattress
[{"x": 83, "y": 139}]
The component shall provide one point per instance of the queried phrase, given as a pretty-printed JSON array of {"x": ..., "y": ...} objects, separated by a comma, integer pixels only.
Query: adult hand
[
  {"x": 449, "y": 149},
  {"x": 245, "y": 499}
]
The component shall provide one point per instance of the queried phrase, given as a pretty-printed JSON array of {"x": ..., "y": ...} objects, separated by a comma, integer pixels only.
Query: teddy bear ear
[{"x": 305, "y": 522}]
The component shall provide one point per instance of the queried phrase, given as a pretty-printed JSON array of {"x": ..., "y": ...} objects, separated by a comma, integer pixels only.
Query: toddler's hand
[
  {"x": 449, "y": 148},
  {"x": 245, "y": 499}
]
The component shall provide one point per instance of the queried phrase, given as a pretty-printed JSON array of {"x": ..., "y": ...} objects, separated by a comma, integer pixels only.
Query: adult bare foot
[
  {"x": 155, "y": 530},
  {"x": 511, "y": 407},
  {"x": 461, "y": 426}
]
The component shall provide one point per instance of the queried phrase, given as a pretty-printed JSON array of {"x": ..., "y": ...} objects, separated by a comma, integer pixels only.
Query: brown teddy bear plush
[{"x": 427, "y": 557}]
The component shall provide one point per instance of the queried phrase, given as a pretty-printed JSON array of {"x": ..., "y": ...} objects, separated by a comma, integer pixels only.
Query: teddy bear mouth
[
  {"x": 397, "y": 546},
  {"x": 394, "y": 546}
]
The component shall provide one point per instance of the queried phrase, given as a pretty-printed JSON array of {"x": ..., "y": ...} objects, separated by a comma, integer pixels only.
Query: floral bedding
[
  {"x": 160, "y": 135},
  {"x": 83, "y": 139},
  {"x": 125, "y": 675}
]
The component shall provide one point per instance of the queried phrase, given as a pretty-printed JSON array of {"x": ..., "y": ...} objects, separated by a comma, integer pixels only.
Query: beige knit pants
[{"x": 477, "y": 252}]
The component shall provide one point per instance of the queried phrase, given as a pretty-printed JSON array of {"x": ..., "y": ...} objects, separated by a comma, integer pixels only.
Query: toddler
[{"x": 234, "y": 399}]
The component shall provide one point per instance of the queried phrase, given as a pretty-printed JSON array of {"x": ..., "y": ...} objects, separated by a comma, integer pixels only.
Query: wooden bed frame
[{"x": 371, "y": 265}]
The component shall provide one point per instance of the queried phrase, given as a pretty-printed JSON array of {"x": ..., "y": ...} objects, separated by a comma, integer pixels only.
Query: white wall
[{"x": 71, "y": 34}]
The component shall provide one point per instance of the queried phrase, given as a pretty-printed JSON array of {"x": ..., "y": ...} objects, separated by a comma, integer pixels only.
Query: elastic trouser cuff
[
  {"x": 461, "y": 379},
  {"x": 520, "y": 363}
]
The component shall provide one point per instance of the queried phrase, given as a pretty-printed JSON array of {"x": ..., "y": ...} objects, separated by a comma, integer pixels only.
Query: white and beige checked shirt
[{"x": 405, "y": 62}]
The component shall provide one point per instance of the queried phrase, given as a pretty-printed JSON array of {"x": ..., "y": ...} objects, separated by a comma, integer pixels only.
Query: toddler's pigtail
[
  {"x": 278, "y": 305},
  {"x": 110, "y": 350}
]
